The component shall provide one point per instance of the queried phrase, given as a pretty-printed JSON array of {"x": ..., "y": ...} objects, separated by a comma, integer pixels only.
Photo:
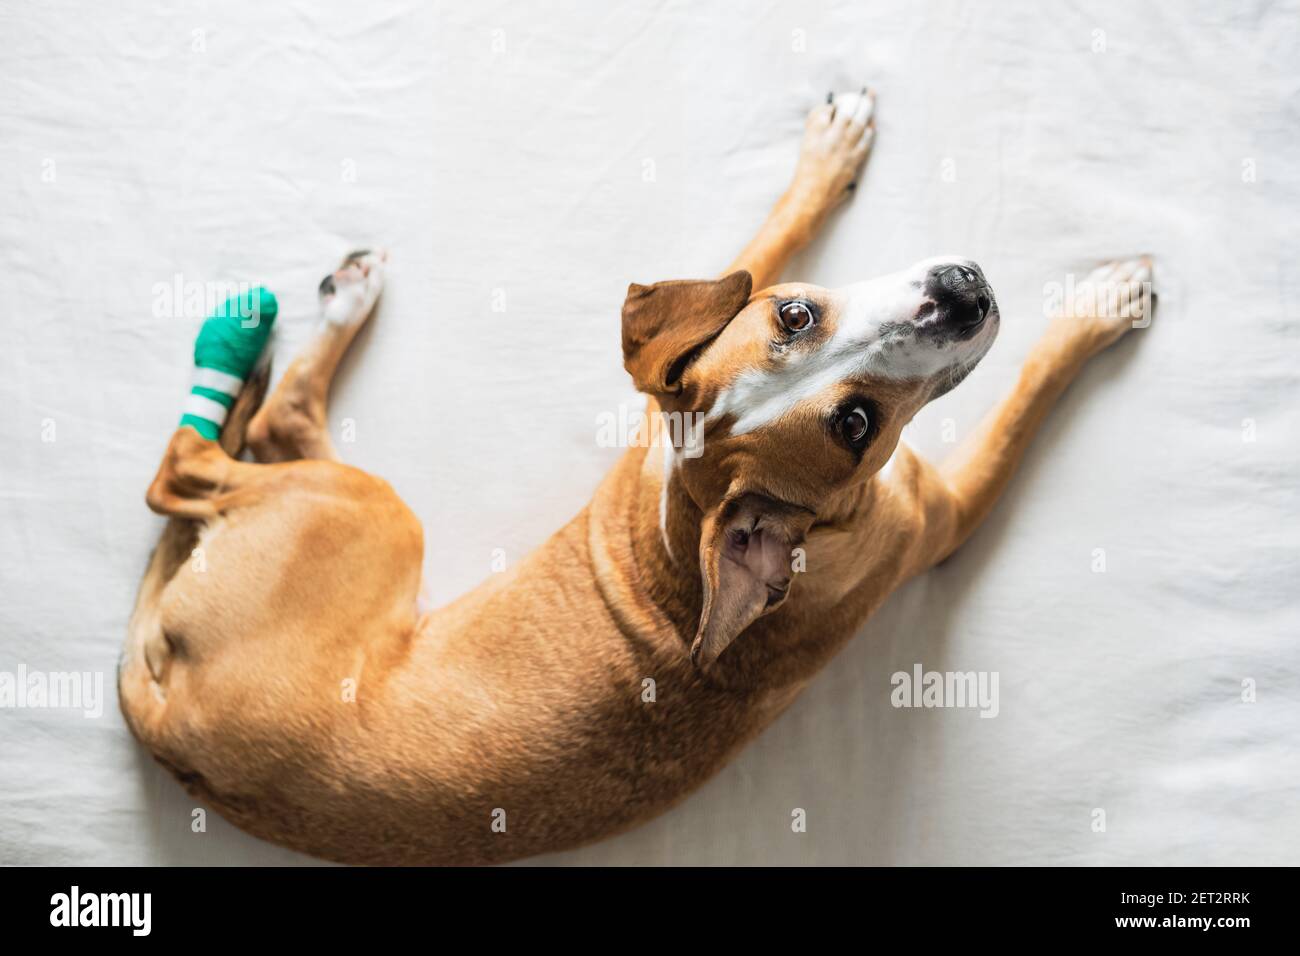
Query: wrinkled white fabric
[{"x": 523, "y": 166}]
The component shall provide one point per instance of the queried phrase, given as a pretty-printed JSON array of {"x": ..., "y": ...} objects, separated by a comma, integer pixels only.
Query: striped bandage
[
  {"x": 225, "y": 352},
  {"x": 212, "y": 393}
]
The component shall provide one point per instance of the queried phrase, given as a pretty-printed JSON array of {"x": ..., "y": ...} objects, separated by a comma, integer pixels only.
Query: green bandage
[{"x": 225, "y": 352}]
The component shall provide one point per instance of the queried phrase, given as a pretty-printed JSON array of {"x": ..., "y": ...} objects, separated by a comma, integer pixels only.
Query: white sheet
[{"x": 504, "y": 155}]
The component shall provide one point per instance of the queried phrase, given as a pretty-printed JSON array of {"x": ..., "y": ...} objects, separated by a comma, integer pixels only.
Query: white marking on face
[
  {"x": 669, "y": 455},
  {"x": 873, "y": 336}
]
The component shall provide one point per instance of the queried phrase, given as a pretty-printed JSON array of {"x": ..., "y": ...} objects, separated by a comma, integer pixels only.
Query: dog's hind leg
[
  {"x": 178, "y": 539},
  {"x": 269, "y": 579},
  {"x": 194, "y": 483},
  {"x": 836, "y": 141},
  {"x": 293, "y": 424}
]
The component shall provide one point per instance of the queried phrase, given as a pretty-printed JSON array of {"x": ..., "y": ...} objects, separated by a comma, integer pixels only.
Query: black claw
[
  {"x": 327, "y": 285},
  {"x": 830, "y": 97}
]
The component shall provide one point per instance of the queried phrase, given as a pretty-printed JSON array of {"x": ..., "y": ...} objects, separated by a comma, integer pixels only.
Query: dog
[{"x": 297, "y": 683}]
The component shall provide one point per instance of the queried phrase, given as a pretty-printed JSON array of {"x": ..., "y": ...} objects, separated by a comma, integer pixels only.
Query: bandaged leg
[{"x": 225, "y": 354}]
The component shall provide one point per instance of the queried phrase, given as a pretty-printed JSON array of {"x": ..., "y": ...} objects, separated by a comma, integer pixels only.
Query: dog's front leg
[
  {"x": 957, "y": 496},
  {"x": 837, "y": 139}
]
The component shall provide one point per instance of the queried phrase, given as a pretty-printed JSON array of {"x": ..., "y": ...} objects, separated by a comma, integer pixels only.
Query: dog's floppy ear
[
  {"x": 666, "y": 324},
  {"x": 745, "y": 558}
]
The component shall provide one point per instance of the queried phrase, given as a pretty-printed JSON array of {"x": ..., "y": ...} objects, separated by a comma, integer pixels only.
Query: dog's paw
[
  {"x": 348, "y": 294},
  {"x": 837, "y": 139},
  {"x": 1108, "y": 302}
]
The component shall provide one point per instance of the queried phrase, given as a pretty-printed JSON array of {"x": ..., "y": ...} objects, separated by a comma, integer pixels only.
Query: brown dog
[{"x": 292, "y": 681}]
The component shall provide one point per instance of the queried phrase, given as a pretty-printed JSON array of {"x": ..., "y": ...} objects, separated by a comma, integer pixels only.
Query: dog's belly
[{"x": 527, "y": 722}]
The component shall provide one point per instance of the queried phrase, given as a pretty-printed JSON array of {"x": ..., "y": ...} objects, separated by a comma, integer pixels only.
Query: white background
[{"x": 260, "y": 142}]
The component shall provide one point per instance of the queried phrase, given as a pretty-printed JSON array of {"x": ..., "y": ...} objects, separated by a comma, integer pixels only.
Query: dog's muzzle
[{"x": 961, "y": 296}]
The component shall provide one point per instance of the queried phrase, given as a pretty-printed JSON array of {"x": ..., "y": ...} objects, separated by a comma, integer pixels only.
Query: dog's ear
[
  {"x": 665, "y": 326},
  {"x": 746, "y": 559}
]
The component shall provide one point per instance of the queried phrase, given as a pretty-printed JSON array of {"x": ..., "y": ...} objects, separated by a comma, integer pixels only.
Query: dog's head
[{"x": 802, "y": 392}]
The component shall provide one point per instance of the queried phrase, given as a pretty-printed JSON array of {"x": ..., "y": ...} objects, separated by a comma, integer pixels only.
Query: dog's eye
[
  {"x": 797, "y": 316},
  {"x": 855, "y": 426}
]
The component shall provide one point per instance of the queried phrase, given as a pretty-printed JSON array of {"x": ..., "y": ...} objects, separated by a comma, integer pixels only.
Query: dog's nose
[{"x": 961, "y": 295}]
